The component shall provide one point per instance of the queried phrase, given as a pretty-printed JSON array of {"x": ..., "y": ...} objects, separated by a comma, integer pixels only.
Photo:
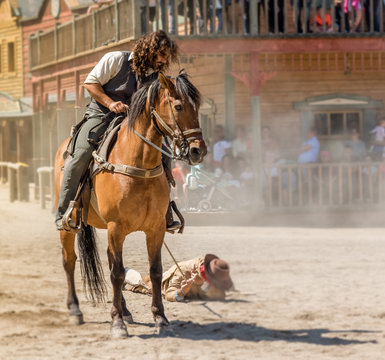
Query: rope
[{"x": 172, "y": 256}]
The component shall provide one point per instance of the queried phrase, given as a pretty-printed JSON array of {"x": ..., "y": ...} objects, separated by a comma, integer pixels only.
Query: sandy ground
[{"x": 304, "y": 293}]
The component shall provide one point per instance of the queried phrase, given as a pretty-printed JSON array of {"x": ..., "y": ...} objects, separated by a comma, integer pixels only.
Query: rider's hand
[{"x": 117, "y": 107}]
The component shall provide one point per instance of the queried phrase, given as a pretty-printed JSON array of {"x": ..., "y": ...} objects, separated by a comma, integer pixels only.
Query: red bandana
[{"x": 202, "y": 270}]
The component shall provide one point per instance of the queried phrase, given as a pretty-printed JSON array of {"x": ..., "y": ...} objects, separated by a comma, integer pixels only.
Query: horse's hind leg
[
  {"x": 69, "y": 260},
  {"x": 154, "y": 247},
  {"x": 115, "y": 247},
  {"x": 127, "y": 316}
]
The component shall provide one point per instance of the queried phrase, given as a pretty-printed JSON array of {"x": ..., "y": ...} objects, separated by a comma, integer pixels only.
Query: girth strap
[{"x": 104, "y": 165}]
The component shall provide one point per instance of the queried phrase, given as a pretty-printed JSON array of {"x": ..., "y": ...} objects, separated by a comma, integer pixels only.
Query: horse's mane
[{"x": 184, "y": 89}]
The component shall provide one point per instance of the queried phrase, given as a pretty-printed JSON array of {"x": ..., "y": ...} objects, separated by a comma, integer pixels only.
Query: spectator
[
  {"x": 147, "y": 26},
  {"x": 267, "y": 142},
  {"x": 357, "y": 145},
  {"x": 370, "y": 180},
  {"x": 378, "y": 140},
  {"x": 181, "y": 11},
  {"x": 241, "y": 145},
  {"x": 323, "y": 24},
  {"x": 270, "y": 15},
  {"x": 305, "y": 6},
  {"x": 245, "y": 173},
  {"x": 325, "y": 180},
  {"x": 198, "y": 182},
  {"x": 355, "y": 7},
  {"x": 309, "y": 149},
  {"x": 246, "y": 179},
  {"x": 179, "y": 172},
  {"x": 227, "y": 171},
  {"x": 376, "y": 14},
  {"x": 221, "y": 146},
  {"x": 212, "y": 17},
  {"x": 97, "y": 5},
  {"x": 234, "y": 17},
  {"x": 350, "y": 175},
  {"x": 342, "y": 18},
  {"x": 272, "y": 168}
]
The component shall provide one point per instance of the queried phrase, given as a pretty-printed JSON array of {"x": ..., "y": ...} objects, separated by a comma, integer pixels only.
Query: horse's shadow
[{"x": 250, "y": 332}]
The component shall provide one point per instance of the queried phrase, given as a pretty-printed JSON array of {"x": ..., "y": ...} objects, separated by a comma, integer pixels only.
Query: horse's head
[{"x": 175, "y": 113}]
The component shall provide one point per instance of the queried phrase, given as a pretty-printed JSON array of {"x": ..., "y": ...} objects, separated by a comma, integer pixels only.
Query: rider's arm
[
  {"x": 107, "y": 68},
  {"x": 97, "y": 92}
]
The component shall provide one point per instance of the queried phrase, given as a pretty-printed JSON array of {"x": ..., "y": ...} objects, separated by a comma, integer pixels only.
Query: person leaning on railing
[{"x": 98, "y": 4}]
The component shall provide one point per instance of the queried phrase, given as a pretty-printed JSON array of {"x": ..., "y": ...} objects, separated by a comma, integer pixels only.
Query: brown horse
[{"x": 126, "y": 203}]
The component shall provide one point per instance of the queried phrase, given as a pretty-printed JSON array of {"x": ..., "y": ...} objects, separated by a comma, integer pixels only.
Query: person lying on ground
[{"x": 205, "y": 278}]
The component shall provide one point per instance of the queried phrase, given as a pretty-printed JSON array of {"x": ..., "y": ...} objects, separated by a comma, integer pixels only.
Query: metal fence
[
  {"x": 324, "y": 185},
  {"x": 125, "y": 19}
]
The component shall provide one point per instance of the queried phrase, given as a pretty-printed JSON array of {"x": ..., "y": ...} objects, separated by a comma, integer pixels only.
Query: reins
[{"x": 179, "y": 144}]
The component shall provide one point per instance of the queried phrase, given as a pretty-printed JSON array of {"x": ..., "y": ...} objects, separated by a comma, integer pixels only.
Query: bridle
[{"x": 179, "y": 139}]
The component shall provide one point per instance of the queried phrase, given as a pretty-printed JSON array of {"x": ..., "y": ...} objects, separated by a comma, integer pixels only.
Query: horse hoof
[
  {"x": 119, "y": 330},
  {"x": 128, "y": 319},
  {"x": 161, "y": 322},
  {"x": 76, "y": 319}
]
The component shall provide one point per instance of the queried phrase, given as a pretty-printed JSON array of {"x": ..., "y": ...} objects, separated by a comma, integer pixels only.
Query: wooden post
[
  {"x": 11, "y": 182},
  {"x": 38, "y": 48},
  {"x": 1, "y": 158},
  {"x": 74, "y": 39},
  {"x": 56, "y": 42},
  {"x": 229, "y": 96},
  {"x": 94, "y": 37},
  {"x": 30, "y": 59},
  {"x": 117, "y": 21},
  {"x": 136, "y": 23},
  {"x": 257, "y": 149}
]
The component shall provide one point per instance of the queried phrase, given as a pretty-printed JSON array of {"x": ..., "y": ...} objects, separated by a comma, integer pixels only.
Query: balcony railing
[
  {"x": 125, "y": 19},
  {"x": 324, "y": 185}
]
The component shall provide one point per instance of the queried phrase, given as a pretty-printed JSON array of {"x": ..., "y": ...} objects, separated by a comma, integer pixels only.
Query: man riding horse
[{"x": 111, "y": 84}]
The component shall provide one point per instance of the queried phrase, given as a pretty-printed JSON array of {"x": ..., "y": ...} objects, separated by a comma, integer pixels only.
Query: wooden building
[
  {"x": 40, "y": 16},
  {"x": 15, "y": 112},
  {"x": 282, "y": 75}
]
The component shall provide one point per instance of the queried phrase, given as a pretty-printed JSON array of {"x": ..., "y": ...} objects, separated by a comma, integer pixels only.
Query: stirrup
[
  {"x": 74, "y": 205},
  {"x": 179, "y": 227},
  {"x": 175, "y": 226}
]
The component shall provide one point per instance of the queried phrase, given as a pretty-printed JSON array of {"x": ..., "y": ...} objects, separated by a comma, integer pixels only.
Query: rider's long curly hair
[{"x": 147, "y": 48}]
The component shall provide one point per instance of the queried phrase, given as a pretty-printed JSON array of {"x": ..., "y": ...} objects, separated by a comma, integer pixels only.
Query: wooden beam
[{"x": 204, "y": 46}]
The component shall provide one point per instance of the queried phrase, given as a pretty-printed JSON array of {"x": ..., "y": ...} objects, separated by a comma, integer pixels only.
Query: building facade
[{"x": 290, "y": 71}]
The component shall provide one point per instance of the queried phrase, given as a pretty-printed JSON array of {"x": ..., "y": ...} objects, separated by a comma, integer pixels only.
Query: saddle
[{"x": 85, "y": 195}]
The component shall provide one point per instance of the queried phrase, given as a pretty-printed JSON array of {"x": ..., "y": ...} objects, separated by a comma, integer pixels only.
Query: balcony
[{"x": 125, "y": 20}]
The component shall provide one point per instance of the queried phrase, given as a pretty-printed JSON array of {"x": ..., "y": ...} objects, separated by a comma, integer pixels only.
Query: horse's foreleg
[
  {"x": 115, "y": 247},
  {"x": 69, "y": 260},
  {"x": 154, "y": 246},
  {"x": 127, "y": 316}
]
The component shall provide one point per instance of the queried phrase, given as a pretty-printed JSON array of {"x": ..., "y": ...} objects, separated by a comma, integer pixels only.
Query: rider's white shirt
[{"x": 108, "y": 67}]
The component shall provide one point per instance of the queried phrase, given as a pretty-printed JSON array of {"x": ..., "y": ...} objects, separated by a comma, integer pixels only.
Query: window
[
  {"x": 11, "y": 57},
  {"x": 337, "y": 123}
]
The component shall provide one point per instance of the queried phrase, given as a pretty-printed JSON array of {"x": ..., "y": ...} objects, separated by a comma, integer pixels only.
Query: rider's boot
[{"x": 171, "y": 224}]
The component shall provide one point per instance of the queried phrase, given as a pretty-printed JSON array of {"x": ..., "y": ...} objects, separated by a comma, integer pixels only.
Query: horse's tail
[{"x": 91, "y": 268}]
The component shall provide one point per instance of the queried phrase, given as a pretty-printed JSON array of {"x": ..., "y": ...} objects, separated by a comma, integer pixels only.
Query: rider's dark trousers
[{"x": 93, "y": 128}]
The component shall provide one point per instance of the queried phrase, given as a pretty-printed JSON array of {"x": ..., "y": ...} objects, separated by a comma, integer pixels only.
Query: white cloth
[
  {"x": 107, "y": 68},
  {"x": 219, "y": 149}
]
